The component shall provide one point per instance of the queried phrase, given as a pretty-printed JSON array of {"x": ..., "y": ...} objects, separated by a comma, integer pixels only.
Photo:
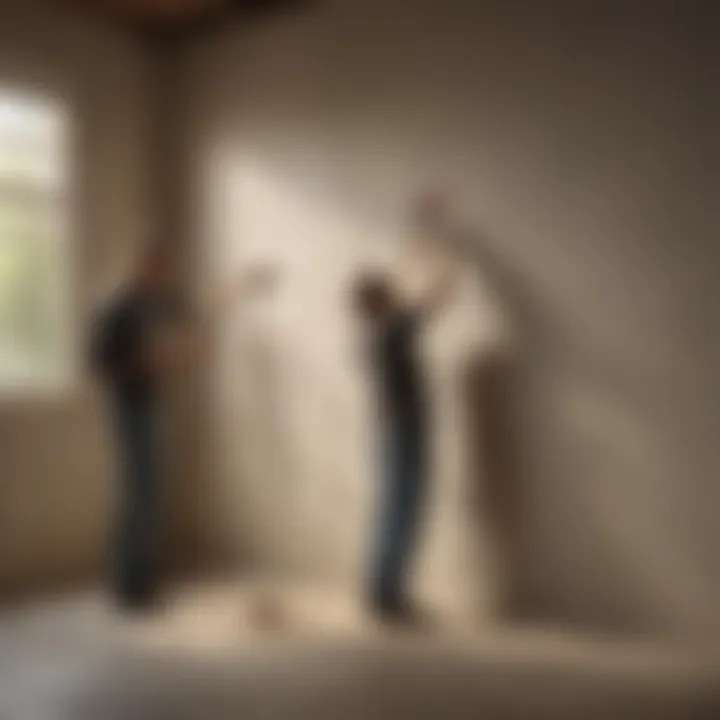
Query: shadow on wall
[
  {"x": 493, "y": 494},
  {"x": 516, "y": 445},
  {"x": 494, "y": 390},
  {"x": 507, "y": 402},
  {"x": 256, "y": 445}
]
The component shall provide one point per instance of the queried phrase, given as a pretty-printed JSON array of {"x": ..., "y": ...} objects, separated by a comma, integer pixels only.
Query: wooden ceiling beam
[{"x": 173, "y": 18}]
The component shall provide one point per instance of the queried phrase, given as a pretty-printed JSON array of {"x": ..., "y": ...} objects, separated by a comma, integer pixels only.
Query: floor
[{"x": 261, "y": 651}]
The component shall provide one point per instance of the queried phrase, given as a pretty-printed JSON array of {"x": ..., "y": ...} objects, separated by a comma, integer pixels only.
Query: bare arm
[
  {"x": 428, "y": 276},
  {"x": 184, "y": 344},
  {"x": 248, "y": 284}
]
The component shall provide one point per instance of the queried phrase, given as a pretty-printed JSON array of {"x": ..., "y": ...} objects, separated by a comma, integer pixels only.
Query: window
[{"x": 34, "y": 278}]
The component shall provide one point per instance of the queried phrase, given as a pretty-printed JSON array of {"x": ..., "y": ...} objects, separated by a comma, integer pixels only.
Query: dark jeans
[
  {"x": 402, "y": 492},
  {"x": 137, "y": 523}
]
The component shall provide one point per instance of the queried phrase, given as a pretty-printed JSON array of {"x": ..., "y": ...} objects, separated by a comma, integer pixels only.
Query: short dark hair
[
  {"x": 372, "y": 294},
  {"x": 155, "y": 249}
]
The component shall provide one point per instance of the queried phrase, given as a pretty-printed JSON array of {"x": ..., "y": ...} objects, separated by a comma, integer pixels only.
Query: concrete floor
[{"x": 211, "y": 654}]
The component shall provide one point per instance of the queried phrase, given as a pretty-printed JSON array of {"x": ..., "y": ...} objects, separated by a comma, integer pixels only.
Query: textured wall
[
  {"x": 577, "y": 137},
  {"x": 53, "y": 466}
]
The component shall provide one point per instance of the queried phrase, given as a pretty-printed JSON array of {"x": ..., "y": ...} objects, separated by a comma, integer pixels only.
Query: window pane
[
  {"x": 30, "y": 265},
  {"x": 31, "y": 140}
]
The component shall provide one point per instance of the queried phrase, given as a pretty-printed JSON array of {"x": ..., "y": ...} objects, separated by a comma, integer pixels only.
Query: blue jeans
[
  {"x": 137, "y": 529},
  {"x": 402, "y": 492}
]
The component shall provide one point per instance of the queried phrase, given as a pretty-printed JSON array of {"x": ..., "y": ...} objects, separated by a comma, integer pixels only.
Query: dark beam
[{"x": 200, "y": 20}]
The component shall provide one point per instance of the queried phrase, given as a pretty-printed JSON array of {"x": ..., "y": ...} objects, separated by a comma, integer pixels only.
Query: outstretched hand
[
  {"x": 259, "y": 279},
  {"x": 248, "y": 283},
  {"x": 431, "y": 264},
  {"x": 431, "y": 212}
]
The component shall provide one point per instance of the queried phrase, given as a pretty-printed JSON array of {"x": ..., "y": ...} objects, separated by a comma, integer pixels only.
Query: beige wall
[
  {"x": 575, "y": 137},
  {"x": 53, "y": 469}
]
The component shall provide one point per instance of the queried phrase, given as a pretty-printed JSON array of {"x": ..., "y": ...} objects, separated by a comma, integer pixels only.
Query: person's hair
[
  {"x": 151, "y": 262},
  {"x": 153, "y": 250},
  {"x": 372, "y": 294}
]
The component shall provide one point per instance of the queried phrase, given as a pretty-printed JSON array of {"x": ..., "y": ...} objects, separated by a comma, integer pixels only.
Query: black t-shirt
[
  {"x": 122, "y": 331},
  {"x": 395, "y": 356}
]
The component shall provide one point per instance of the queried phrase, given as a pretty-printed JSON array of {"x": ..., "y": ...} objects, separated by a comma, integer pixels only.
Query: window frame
[{"x": 59, "y": 199}]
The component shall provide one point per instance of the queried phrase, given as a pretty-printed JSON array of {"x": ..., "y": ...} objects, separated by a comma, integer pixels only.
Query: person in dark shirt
[
  {"x": 139, "y": 336},
  {"x": 393, "y": 321}
]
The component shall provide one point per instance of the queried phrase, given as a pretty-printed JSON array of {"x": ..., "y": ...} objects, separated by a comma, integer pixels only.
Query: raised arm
[
  {"x": 248, "y": 284},
  {"x": 428, "y": 274},
  {"x": 184, "y": 344}
]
